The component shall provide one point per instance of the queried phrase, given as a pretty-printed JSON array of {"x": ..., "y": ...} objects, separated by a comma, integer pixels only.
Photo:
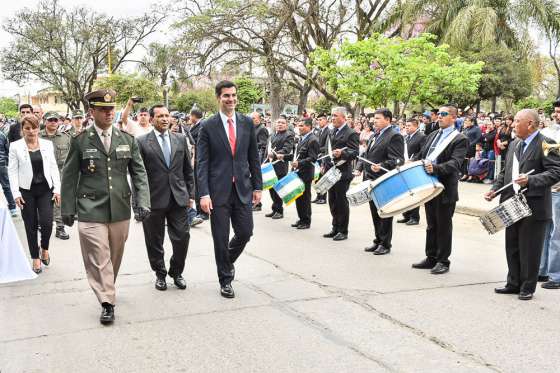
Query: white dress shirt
[{"x": 226, "y": 125}]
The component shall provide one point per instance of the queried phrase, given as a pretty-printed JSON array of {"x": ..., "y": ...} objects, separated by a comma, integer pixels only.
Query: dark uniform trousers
[
  {"x": 338, "y": 204},
  {"x": 383, "y": 227},
  {"x": 413, "y": 214},
  {"x": 439, "y": 230},
  {"x": 179, "y": 235},
  {"x": 303, "y": 205},
  {"x": 241, "y": 216},
  {"x": 524, "y": 242},
  {"x": 277, "y": 203}
]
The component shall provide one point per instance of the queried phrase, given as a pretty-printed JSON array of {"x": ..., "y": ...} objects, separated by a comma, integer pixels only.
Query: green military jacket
[
  {"x": 61, "y": 144},
  {"x": 94, "y": 184}
]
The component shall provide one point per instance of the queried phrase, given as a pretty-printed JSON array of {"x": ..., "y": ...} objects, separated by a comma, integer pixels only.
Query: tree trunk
[
  {"x": 275, "y": 99},
  {"x": 303, "y": 94},
  {"x": 494, "y": 104},
  {"x": 396, "y": 109}
]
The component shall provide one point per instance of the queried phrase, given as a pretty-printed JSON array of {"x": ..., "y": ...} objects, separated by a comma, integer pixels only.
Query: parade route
[{"x": 303, "y": 304}]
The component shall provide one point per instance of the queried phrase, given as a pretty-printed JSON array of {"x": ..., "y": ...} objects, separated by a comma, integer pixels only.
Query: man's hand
[
  {"x": 429, "y": 167},
  {"x": 356, "y": 172},
  {"x": 68, "y": 220},
  {"x": 20, "y": 202},
  {"x": 56, "y": 198},
  {"x": 337, "y": 153},
  {"x": 257, "y": 195},
  {"x": 191, "y": 203},
  {"x": 280, "y": 156},
  {"x": 295, "y": 164},
  {"x": 206, "y": 205},
  {"x": 522, "y": 180},
  {"x": 489, "y": 196},
  {"x": 143, "y": 213},
  {"x": 375, "y": 167}
]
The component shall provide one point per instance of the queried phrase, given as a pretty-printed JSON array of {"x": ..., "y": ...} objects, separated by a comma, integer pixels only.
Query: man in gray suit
[{"x": 170, "y": 176}]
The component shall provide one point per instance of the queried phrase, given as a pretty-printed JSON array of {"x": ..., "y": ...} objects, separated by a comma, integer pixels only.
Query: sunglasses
[
  {"x": 52, "y": 120},
  {"x": 443, "y": 114}
]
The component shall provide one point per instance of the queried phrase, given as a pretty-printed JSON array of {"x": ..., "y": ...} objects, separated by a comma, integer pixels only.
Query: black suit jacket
[
  {"x": 546, "y": 174},
  {"x": 177, "y": 179},
  {"x": 14, "y": 133},
  {"x": 217, "y": 167},
  {"x": 262, "y": 141},
  {"x": 387, "y": 150},
  {"x": 194, "y": 131},
  {"x": 430, "y": 128},
  {"x": 448, "y": 164},
  {"x": 346, "y": 137},
  {"x": 307, "y": 153},
  {"x": 415, "y": 143},
  {"x": 323, "y": 137},
  {"x": 282, "y": 143}
]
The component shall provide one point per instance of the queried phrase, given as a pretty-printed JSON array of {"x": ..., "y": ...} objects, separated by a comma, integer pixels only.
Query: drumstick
[
  {"x": 508, "y": 185},
  {"x": 371, "y": 163},
  {"x": 328, "y": 155}
]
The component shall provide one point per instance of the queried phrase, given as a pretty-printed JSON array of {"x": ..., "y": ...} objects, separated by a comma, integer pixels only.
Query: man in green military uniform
[
  {"x": 61, "y": 144},
  {"x": 77, "y": 125},
  {"x": 95, "y": 188}
]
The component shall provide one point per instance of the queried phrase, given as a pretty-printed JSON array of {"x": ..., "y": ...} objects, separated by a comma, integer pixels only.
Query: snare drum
[
  {"x": 359, "y": 194},
  {"x": 268, "y": 176},
  {"x": 317, "y": 171},
  {"x": 506, "y": 214},
  {"x": 289, "y": 188},
  {"x": 330, "y": 178},
  {"x": 403, "y": 189}
]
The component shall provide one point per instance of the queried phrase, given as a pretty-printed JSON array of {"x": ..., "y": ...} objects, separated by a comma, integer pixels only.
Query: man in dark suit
[
  {"x": 229, "y": 180},
  {"x": 414, "y": 141},
  {"x": 262, "y": 142},
  {"x": 170, "y": 177},
  {"x": 323, "y": 136},
  {"x": 446, "y": 167},
  {"x": 307, "y": 152},
  {"x": 385, "y": 149},
  {"x": 342, "y": 137},
  {"x": 196, "y": 120},
  {"x": 524, "y": 239},
  {"x": 282, "y": 151},
  {"x": 434, "y": 123},
  {"x": 14, "y": 132}
]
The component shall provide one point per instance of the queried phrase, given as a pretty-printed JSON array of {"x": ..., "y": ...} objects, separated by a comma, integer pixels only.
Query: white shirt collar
[{"x": 100, "y": 131}]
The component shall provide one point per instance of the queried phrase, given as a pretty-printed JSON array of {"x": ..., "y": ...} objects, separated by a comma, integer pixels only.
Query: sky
[{"x": 118, "y": 7}]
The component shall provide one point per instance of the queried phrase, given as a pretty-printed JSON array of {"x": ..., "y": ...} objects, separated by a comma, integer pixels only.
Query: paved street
[{"x": 304, "y": 304}]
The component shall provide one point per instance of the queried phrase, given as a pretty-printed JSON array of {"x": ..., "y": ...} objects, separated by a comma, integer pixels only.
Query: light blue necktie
[{"x": 166, "y": 150}]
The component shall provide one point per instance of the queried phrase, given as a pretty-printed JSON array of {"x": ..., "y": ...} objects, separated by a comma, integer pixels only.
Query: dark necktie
[
  {"x": 520, "y": 149},
  {"x": 434, "y": 143},
  {"x": 166, "y": 150}
]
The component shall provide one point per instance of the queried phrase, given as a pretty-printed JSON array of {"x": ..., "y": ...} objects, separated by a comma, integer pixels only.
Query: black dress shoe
[
  {"x": 404, "y": 220},
  {"x": 381, "y": 250},
  {"x": 257, "y": 208},
  {"x": 424, "y": 264},
  {"x": 161, "y": 284},
  {"x": 542, "y": 278},
  {"x": 331, "y": 234},
  {"x": 304, "y": 226},
  {"x": 296, "y": 224},
  {"x": 227, "y": 291},
  {"x": 439, "y": 269},
  {"x": 203, "y": 216},
  {"x": 340, "y": 237},
  {"x": 270, "y": 214},
  {"x": 412, "y": 222},
  {"x": 277, "y": 215},
  {"x": 61, "y": 233},
  {"x": 506, "y": 290},
  {"x": 372, "y": 248},
  {"x": 551, "y": 285},
  {"x": 524, "y": 295},
  {"x": 107, "y": 313},
  {"x": 180, "y": 282}
]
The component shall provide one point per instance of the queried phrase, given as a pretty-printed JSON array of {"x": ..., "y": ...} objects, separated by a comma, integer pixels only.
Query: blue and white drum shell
[{"x": 403, "y": 189}]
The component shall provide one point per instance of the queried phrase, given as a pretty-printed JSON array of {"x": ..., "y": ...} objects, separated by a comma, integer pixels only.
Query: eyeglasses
[{"x": 443, "y": 114}]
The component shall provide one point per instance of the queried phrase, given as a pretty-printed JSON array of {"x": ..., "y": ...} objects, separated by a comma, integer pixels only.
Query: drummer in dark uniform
[
  {"x": 345, "y": 144},
  {"x": 95, "y": 188},
  {"x": 307, "y": 152},
  {"x": 262, "y": 141},
  {"x": 385, "y": 149},
  {"x": 282, "y": 150},
  {"x": 323, "y": 134}
]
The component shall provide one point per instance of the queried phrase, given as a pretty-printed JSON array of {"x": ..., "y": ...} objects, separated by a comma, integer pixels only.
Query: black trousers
[
  {"x": 439, "y": 230},
  {"x": 524, "y": 242},
  {"x": 413, "y": 214},
  {"x": 241, "y": 217},
  {"x": 303, "y": 205},
  {"x": 37, "y": 210},
  {"x": 178, "y": 231},
  {"x": 338, "y": 204},
  {"x": 383, "y": 227},
  {"x": 277, "y": 203}
]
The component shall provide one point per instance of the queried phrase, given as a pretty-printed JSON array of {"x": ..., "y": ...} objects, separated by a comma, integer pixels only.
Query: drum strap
[{"x": 441, "y": 146}]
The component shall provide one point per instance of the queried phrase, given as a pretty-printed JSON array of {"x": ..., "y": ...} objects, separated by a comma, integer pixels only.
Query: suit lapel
[
  {"x": 238, "y": 131},
  {"x": 221, "y": 131},
  {"x": 155, "y": 146},
  {"x": 173, "y": 144},
  {"x": 529, "y": 151}
]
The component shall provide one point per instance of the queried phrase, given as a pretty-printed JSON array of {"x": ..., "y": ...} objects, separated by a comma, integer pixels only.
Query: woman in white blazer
[{"x": 35, "y": 183}]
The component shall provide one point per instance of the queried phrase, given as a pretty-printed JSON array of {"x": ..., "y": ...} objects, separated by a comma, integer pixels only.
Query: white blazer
[{"x": 20, "y": 171}]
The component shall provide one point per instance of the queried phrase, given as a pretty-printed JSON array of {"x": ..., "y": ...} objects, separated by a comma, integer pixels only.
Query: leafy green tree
[
  {"x": 322, "y": 105},
  {"x": 127, "y": 86},
  {"x": 204, "y": 99},
  {"x": 379, "y": 70},
  {"x": 8, "y": 107},
  {"x": 248, "y": 93}
]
